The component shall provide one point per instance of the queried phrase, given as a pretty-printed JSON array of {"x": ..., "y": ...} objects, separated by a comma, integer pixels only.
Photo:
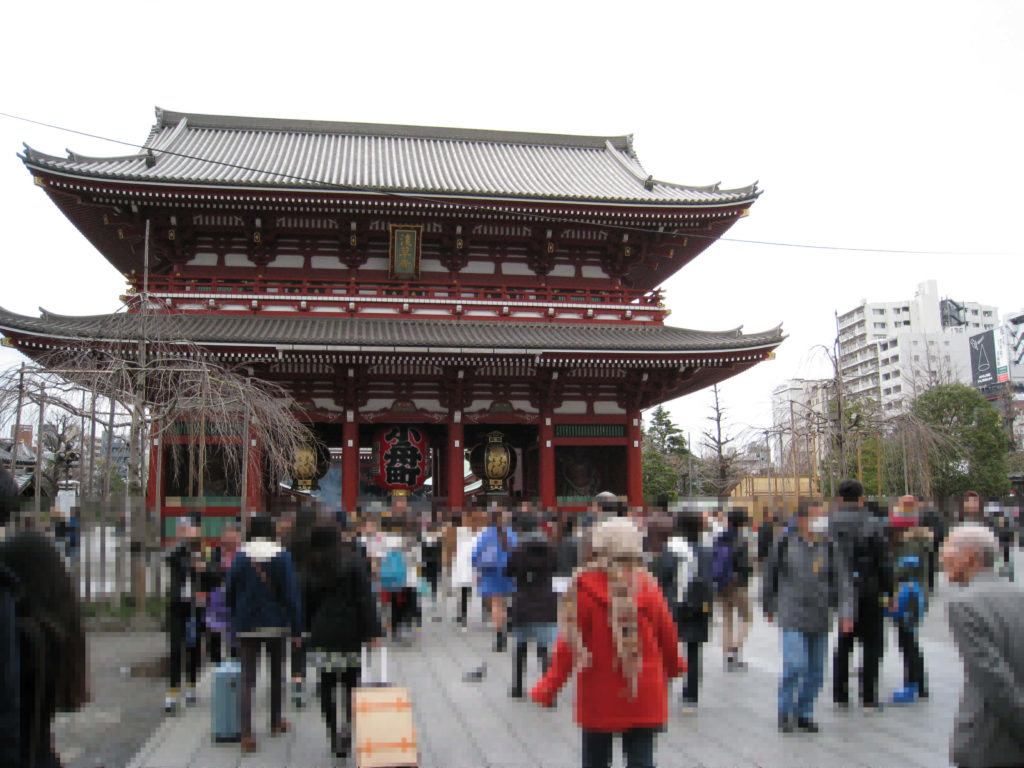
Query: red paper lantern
[{"x": 402, "y": 457}]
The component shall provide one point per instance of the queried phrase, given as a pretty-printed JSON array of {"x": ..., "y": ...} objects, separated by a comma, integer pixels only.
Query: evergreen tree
[{"x": 977, "y": 457}]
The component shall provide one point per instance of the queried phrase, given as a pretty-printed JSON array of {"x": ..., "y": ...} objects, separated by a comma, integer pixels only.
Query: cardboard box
[{"x": 384, "y": 734}]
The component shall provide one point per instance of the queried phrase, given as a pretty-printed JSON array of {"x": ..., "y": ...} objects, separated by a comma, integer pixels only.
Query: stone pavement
[
  {"x": 123, "y": 710},
  {"x": 471, "y": 725}
]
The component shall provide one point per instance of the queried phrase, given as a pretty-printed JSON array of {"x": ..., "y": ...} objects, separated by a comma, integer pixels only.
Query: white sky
[{"x": 883, "y": 125}]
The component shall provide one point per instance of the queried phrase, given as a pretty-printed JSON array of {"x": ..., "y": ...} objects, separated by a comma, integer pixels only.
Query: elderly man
[{"x": 987, "y": 621}]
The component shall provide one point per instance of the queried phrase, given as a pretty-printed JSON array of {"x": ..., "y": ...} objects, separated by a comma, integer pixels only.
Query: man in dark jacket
[
  {"x": 534, "y": 614},
  {"x": 766, "y": 536},
  {"x": 10, "y": 670},
  {"x": 263, "y": 595},
  {"x": 804, "y": 575},
  {"x": 863, "y": 547},
  {"x": 684, "y": 572},
  {"x": 183, "y": 625},
  {"x": 733, "y": 596},
  {"x": 932, "y": 520}
]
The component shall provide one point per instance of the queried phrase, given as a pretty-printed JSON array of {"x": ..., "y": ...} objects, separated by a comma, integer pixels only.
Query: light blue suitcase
[{"x": 226, "y": 713}]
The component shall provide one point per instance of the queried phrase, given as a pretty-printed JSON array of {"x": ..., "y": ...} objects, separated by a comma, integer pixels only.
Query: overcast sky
[{"x": 877, "y": 125}]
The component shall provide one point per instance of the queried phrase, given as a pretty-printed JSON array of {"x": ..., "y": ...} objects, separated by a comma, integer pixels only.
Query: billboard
[
  {"x": 983, "y": 358},
  {"x": 990, "y": 359}
]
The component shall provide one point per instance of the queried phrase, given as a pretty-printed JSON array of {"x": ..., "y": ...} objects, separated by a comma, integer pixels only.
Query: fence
[{"x": 112, "y": 551}]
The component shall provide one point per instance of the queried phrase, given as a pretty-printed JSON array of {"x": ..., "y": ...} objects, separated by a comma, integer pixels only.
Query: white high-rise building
[{"x": 890, "y": 350}]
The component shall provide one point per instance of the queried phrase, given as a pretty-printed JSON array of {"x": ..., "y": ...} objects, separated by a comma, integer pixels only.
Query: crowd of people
[{"x": 622, "y": 602}]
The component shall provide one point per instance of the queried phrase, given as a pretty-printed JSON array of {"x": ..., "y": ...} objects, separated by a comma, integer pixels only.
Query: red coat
[{"x": 603, "y": 701}]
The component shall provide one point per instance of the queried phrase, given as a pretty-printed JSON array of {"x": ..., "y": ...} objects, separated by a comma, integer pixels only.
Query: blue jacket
[
  {"x": 491, "y": 560},
  {"x": 257, "y": 605}
]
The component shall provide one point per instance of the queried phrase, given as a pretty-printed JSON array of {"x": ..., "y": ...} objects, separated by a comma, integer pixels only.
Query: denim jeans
[
  {"x": 637, "y": 748},
  {"x": 803, "y": 671}
]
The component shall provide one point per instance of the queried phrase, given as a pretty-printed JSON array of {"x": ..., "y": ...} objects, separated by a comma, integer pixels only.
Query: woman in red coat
[{"x": 617, "y": 635}]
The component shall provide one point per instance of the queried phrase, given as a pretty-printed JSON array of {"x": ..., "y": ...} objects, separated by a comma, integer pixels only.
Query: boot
[{"x": 516, "y": 692}]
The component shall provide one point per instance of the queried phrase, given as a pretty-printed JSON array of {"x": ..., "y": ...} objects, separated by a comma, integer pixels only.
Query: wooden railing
[{"x": 389, "y": 297}]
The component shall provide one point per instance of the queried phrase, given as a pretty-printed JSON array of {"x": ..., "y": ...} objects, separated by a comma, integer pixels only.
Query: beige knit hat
[{"x": 617, "y": 539}]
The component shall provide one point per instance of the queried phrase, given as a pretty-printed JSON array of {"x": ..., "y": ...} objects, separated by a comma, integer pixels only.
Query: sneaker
[
  {"x": 190, "y": 696},
  {"x": 515, "y": 692},
  {"x": 689, "y": 706},
  {"x": 905, "y": 695},
  {"x": 171, "y": 702},
  {"x": 841, "y": 705},
  {"x": 248, "y": 745},
  {"x": 873, "y": 708},
  {"x": 785, "y": 723},
  {"x": 807, "y": 725}
]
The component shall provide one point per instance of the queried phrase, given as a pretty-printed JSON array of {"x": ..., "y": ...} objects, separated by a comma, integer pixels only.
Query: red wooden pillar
[
  {"x": 350, "y": 464},
  {"x": 634, "y": 462},
  {"x": 546, "y": 460},
  {"x": 455, "y": 462},
  {"x": 154, "y": 485},
  {"x": 254, "y": 479}
]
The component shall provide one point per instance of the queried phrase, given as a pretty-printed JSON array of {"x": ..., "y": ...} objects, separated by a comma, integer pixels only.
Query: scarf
[{"x": 623, "y": 586}]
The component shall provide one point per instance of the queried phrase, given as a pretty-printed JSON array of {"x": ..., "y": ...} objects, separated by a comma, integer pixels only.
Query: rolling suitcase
[
  {"x": 225, "y": 713},
  {"x": 382, "y": 720}
]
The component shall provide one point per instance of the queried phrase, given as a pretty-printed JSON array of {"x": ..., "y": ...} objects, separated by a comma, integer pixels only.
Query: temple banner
[{"x": 405, "y": 250}]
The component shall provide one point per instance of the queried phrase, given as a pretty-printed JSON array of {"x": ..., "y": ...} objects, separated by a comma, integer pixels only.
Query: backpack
[
  {"x": 782, "y": 545},
  {"x": 908, "y": 608},
  {"x": 393, "y": 571},
  {"x": 722, "y": 571},
  {"x": 911, "y": 562},
  {"x": 699, "y": 593}
]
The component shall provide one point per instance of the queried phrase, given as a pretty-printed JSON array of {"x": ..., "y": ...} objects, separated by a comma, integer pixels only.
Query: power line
[{"x": 490, "y": 208}]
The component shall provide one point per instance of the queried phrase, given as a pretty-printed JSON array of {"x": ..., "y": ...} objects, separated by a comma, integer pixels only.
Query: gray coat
[
  {"x": 987, "y": 622},
  {"x": 798, "y": 588}
]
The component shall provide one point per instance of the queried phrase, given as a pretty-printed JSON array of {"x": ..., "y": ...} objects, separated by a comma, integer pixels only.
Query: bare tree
[
  {"x": 158, "y": 384},
  {"x": 720, "y": 465}
]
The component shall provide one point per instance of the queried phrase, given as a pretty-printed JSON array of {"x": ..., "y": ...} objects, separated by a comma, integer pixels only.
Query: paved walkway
[{"x": 471, "y": 725}]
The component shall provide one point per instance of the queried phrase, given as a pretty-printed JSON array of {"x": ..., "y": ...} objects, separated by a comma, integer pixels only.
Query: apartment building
[{"x": 890, "y": 350}]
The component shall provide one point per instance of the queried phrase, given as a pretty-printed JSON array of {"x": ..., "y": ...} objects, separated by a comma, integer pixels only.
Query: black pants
[
  {"x": 637, "y": 748},
  {"x": 913, "y": 659},
  {"x": 868, "y": 631},
  {"x": 298, "y": 664},
  {"x": 250, "y": 655},
  {"x": 213, "y": 646},
  {"x": 329, "y": 680},
  {"x": 178, "y": 616},
  {"x": 692, "y": 672},
  {"x": 464, "y": 593}
]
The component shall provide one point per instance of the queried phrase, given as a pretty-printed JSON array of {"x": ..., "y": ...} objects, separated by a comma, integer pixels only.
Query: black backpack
[
  {"x": 700, "y": 594},
  {"x": 868, "y": 566}
]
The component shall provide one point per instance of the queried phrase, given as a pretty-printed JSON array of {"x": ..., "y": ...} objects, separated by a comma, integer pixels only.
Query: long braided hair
[{"x": 616, "y": 551}]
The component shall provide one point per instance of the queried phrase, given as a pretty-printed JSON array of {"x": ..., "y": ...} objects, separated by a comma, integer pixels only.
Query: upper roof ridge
[{"x": 168, "y": 118}]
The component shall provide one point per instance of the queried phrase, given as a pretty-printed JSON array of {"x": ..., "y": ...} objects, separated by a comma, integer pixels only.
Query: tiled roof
[
  {"x": 383, "y": 335},
  {"x": 238, "y": 151}
]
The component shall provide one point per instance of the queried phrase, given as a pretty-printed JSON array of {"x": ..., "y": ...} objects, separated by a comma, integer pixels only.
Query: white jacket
[{"x": 462, "y": 566}]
